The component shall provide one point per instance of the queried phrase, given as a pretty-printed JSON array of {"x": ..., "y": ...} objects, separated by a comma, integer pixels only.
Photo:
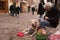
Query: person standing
[
  {"x": 17, "y": 11},
  {"x": 33, "y": 9},
  {"x": 40, "y": 8},
  {"x": 12, "y": 10},
  {"x": 29, "y": 8}
]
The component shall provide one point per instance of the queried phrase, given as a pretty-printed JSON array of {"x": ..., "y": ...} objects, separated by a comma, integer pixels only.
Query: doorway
[{"x": 3, "y": 6}]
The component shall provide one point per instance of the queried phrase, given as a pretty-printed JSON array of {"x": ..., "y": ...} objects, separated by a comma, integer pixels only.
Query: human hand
[{"x": 46, "y": 18}]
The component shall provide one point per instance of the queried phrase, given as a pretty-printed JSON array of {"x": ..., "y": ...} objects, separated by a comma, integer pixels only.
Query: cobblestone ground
[{"x": 9, "y": 26}]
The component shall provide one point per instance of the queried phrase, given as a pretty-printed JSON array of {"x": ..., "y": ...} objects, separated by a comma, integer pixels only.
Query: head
[
  {"x": 48, "y": 6},
  {"x": 34, "y": 23}
]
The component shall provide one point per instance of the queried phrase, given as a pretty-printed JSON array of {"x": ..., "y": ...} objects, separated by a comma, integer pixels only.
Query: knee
[{"x": 41, "y": 21}]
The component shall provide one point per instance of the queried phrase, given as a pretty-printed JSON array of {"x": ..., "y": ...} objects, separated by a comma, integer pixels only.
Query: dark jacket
[
  {"x": 53, "y": 15},
  {"x": 17, "y": 9},
  {"x": 33, "y": 9},
  {"x": 40, "y": 9},
  {"x": 12, "y": 8}
]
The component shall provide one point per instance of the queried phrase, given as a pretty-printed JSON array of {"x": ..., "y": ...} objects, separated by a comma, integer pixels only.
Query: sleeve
[
  {"x": 40, "y": 9},
  {"x": 56, "y": 15}
]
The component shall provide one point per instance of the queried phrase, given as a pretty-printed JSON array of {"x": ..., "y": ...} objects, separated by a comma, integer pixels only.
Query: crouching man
[{"x": 52, "y": 16}]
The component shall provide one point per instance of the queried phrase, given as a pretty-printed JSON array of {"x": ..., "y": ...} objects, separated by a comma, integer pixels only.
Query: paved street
[{"x": 9, "y": 25}]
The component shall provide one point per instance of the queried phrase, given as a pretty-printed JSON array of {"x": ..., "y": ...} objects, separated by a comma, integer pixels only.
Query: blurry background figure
[
  {"x": 40, "y": 7},
  {"x": 33, "y": 9},
  {"x": 51, "y": 19},
  {"x": 12, "y": 10},
  {"x": 17, "y": 11},
  {"x": 29, "y": 8}
]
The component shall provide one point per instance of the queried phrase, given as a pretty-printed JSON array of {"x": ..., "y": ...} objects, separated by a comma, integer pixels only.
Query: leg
[
  {"x": 12, "y": 13},
  {"x": 33, "y": 13},
  {"x": 44, "y": 23},
  {"x": 16, "y": 13},
  {"x": 41, "y": 16}
]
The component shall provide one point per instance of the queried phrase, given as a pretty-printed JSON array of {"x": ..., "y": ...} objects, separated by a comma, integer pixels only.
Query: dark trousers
[
  {"x": 32, "y": 12},
  {"x": 17, "y": 13},
  {"x": 12, "y": 13}
]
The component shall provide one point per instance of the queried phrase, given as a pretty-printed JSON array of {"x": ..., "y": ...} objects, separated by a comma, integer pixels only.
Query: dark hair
[{"x": 42, "y": 1}]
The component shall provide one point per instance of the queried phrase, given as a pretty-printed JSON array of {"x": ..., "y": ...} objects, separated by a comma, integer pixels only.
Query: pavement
[{"x": 10, "y": 25}]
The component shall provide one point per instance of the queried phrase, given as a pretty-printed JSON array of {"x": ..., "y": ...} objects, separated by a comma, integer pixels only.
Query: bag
[{"x": 55, "y": 36}]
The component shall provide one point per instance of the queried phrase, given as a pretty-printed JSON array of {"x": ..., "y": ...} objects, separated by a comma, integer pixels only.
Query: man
[
  {"x": 40, "y": 10},
  {"x": 33, "y": 9},
  {"x": 12, "y": 10},
  {"x": 40, "y": 7},
  {"x": 52, "y": 16},
  {"x": 17, "y": 11}
]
